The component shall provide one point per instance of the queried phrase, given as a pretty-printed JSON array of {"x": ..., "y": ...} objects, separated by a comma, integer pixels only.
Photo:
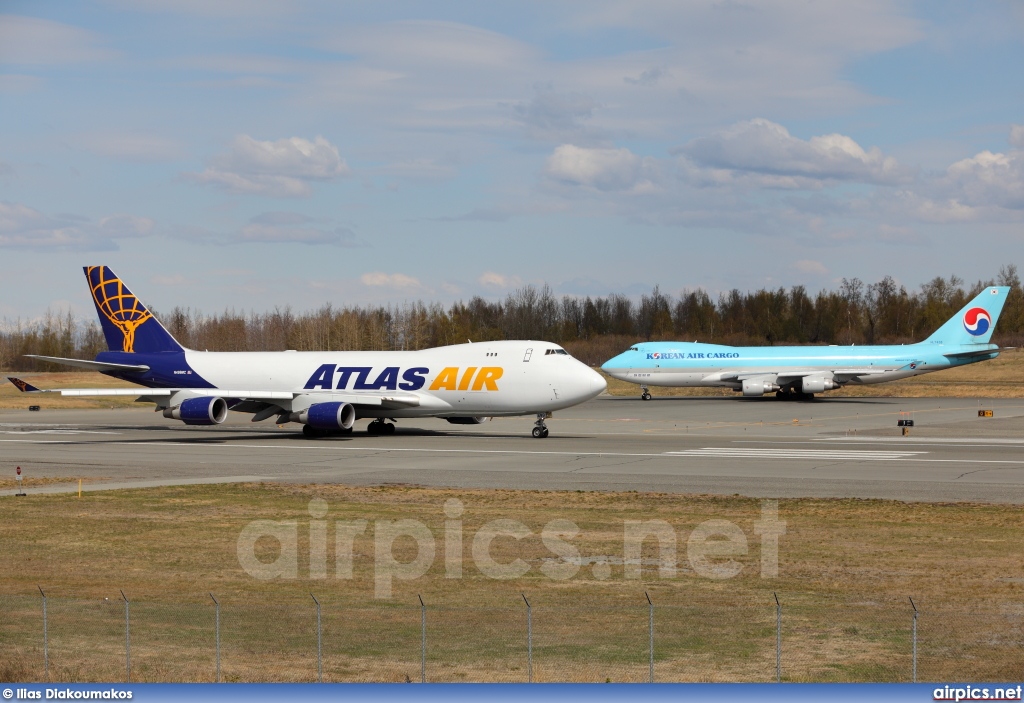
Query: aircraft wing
[
  {"x": 841, "y": 375},
  {"x": 388, "y": 400}
]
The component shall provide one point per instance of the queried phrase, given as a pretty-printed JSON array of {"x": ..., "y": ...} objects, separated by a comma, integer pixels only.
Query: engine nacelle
[
  {"x": 327, "y": 416},
  {"x": 199, "y": 411},
  {"x": 467, "y": 420},
  {"x": 816, "y": 384},
  {"x": 755, "y": 387}
]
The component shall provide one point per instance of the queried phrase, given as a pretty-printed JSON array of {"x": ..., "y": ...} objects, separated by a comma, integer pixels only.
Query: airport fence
[{"x": 107, "y": 640}]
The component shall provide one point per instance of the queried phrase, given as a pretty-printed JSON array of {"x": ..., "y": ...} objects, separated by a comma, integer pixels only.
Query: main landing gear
[
  {"x": 793, "y": 394},
  {"x": 378, "y": 427},
  {"x": 646, "y": 395},
  {"x": 540, "y": 430}
]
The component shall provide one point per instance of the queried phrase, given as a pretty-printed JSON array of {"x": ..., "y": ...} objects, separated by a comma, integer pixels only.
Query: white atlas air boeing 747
[
  {"x": 324, "y": 391},
  {"x": 800, "y": 372}
]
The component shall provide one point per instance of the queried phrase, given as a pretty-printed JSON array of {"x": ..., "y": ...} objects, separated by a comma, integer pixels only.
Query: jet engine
[
  {"x": 327, "y": 416},
  {"x": 467, "y": 420},
  {"x": 816, "y": 384},
  {"x": 754, "y": 387},
  {"x": 199, "y": 411}
]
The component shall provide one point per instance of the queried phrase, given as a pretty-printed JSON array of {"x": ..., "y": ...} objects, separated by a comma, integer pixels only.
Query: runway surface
[{"x": 841, "y": 447}]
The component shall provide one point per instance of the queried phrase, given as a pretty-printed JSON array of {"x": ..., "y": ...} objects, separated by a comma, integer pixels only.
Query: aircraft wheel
[
  {"x": 540, "y": 432},
  {"x": 544, "y": 434},
  {"x": 388, "y": 428},
  {"x": 309, "y": 431}
]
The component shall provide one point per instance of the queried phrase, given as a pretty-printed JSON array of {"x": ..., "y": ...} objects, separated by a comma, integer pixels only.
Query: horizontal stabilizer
[
  {"x": 23, "y": 386},
  {"x": 91, "y": 365},
  {"x": 973, "y": 353}
]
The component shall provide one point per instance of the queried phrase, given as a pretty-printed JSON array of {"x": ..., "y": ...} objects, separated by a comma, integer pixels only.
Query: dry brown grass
[{"x": 846, "y": 570}]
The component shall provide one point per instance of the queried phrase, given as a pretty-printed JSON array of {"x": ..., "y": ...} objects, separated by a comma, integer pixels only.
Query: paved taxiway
[{"x": 833, "y": 447}]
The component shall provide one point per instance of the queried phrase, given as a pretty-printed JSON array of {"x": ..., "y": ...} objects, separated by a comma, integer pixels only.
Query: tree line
[{"x": 592, "y": 328}]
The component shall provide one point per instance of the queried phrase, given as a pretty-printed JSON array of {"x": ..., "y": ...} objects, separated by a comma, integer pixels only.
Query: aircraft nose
[{"x": 591, "y": 383}]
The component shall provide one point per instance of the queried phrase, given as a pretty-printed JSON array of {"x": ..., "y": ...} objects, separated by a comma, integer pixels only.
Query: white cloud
[
  {"x": 31, "y": 40},
  {"x": 603, "y": 169},
  {"x": 126, "y": 226},
  {"x": 490, "y": 279},
  {"x": 1017, "y": 135},
  {"x": 988, "y": 179},
  {"x": 294, "y": 228},
  {"x": 281, "y": 169},
  {"x": 389, "y": 280},
  {"x": 24, "y": 227},
  {"x": 433, "y": 44},
  {"x": 767, "y": 149}
]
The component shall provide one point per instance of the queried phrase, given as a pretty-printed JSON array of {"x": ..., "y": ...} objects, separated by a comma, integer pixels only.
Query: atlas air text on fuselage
[{"x": 393, "y": 378}]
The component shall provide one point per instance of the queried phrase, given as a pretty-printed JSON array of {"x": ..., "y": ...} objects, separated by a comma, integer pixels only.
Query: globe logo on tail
[
  {"x": 118, "y": 304},
  {"x": 977, "y": 321}
]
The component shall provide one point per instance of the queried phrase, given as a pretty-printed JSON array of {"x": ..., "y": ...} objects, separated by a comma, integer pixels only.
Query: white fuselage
[{"x": 478, "y": 379}]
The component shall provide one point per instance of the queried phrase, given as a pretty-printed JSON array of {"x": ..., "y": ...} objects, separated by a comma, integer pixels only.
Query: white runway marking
[
  {"x": 60, "y": 432},
  {"x": 708, "y": 452},
  {"x": 816, "y": 454},
  {"x": 923, "y": 440}
]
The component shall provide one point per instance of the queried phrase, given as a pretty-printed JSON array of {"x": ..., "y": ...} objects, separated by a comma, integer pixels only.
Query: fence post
[
  {"x": 529, "y": 640},
  {"x": 46, "y": 641},
  {"x": 650, "y": 636},
  {"x": 423, "y": 640},
  {"x": 914, "y": 640},
  {"x": 127, "y": 639},
  {"x": 319, "y": 643},
  {"x": 778, "y": 639},
  {"x": 217, "y": 632}
]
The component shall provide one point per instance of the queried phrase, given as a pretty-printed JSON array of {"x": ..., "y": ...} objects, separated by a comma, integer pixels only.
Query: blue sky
[{"x": 262, "y": 154}]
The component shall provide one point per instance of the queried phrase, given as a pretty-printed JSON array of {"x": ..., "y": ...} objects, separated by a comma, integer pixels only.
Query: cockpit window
[
  {"x": 634, "y": 349},
  {"x": 555, "y": 351}
]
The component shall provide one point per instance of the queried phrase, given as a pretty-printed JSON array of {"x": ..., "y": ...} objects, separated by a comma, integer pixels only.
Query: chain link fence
[{"x": 64, "y": 640}]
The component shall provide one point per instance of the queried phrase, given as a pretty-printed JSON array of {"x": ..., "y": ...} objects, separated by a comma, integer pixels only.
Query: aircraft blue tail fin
[
  {"x": 23, "y": 386},
  {"x": 975, "y": 323},
  {"x": 127, "y": 324}
]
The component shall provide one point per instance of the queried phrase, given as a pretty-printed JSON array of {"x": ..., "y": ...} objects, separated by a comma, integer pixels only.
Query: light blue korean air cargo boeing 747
[{"x": 800, "y": 372}]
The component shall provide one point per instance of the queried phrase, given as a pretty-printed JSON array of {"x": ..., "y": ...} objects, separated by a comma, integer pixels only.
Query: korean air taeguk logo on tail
[{"x": 977, "y": 321}]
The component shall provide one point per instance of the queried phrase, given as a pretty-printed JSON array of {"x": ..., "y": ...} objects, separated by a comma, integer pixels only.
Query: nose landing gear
[
  {"x": 646, "y": 395},
  {"x": 540, "y": 430}
]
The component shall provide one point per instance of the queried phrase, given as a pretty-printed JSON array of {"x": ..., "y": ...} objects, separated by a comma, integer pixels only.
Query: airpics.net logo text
[{"x": 711, "y": 549}]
